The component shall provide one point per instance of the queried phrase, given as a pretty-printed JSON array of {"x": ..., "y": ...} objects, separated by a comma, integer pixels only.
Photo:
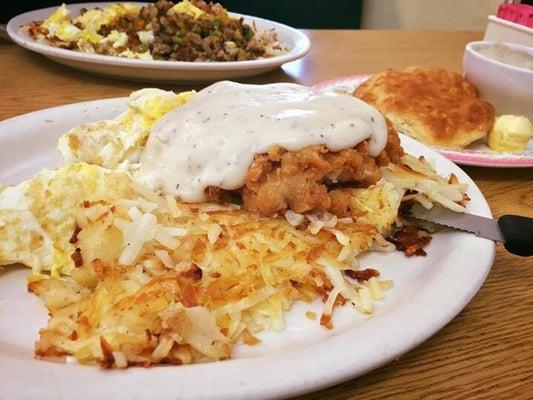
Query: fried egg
[
  {"x": 119, "y": 141},
  {"x": 37, "y": 219}
]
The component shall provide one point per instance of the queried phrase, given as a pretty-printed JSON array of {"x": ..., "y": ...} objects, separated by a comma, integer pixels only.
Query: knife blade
[
  {"x": 516, "y": 232},
  {"x": 480, "y": 226}
]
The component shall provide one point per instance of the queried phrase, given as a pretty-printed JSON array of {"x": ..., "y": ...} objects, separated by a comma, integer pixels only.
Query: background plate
[
  {"x": 477, "y": 154},
  {"x": 160, "y": 71},
  {"x": 303, "y": 357}
]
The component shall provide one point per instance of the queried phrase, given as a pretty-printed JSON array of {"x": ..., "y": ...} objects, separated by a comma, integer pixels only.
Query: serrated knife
[{"x": 514, "y": 231}]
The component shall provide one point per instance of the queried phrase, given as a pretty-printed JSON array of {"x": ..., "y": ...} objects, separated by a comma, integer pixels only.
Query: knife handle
[{"x": 518, "y": 234}]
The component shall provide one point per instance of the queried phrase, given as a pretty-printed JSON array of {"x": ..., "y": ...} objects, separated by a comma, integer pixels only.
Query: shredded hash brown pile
[
  {"x": 139, "y": 279},
  {"x": 188, "y": 281}
]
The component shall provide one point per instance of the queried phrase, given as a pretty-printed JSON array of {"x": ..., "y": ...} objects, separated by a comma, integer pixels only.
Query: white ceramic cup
[{"x": 508, "y": 88}]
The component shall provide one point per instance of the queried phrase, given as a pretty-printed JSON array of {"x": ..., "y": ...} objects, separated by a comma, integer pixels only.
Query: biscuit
[{"x": 432, "y": 105}]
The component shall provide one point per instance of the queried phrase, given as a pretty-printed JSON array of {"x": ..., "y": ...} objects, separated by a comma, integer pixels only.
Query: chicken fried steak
[{"x": 310, "y": 180}]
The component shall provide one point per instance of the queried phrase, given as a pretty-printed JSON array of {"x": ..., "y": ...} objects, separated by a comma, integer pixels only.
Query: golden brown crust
[
  {"x": 310, "y": 180},
  {"x": 432, "y": 105}
]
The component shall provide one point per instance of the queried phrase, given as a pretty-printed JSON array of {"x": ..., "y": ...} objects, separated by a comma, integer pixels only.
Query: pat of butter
[{"x": 510, "y": 133}]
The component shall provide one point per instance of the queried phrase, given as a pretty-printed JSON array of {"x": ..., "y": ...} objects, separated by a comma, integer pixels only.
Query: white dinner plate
[
  {"x": 155, "y": 70},
  {"x": 477, "y": 154},
  {"x": 428, "y": 292}
]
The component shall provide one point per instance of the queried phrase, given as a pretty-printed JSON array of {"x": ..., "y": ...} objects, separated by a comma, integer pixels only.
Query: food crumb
[
  {"x": 310, "y": 315},
  {"x": 249, "y": 339}
]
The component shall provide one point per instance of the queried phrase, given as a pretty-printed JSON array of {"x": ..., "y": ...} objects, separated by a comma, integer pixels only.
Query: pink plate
[{"x": 477, "y": 154}]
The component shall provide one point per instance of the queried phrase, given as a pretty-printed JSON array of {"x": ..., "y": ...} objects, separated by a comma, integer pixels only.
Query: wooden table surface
[{"x": 486, "y": 352}]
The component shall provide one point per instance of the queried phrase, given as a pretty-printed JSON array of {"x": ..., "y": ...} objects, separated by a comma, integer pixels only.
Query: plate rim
[
  {"x": 470, "y": 158},
  {"x": 303, "y": 384},
  {"x": 302, "y": 45}
]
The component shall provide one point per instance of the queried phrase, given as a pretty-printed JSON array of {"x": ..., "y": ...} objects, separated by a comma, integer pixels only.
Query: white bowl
[
  {"x": 508, "y": 88},
  {"x": 501, "y": 30}
]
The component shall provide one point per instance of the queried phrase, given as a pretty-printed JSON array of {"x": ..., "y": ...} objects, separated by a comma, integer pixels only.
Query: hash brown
[
  {"x": 432, "y": 105},
  {"x": 156, "y": 281}
]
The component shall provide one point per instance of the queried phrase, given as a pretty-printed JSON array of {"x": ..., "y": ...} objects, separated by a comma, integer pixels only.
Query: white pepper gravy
[{"x": 212, "y": 139}]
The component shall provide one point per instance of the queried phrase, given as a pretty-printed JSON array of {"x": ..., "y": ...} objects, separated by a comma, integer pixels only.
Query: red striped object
[{"x": 518, "y": 13}]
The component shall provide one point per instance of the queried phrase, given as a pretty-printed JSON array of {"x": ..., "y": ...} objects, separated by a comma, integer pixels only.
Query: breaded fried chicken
[{"x": 310, "y": 180}]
